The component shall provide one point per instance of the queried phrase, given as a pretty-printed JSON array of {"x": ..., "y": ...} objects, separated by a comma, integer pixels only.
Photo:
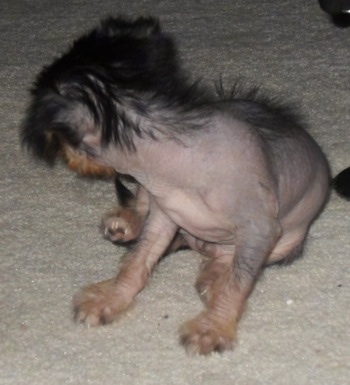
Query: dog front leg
[
  {"x": 103, "y": 302},
  {"x": 224, "y": 284}
]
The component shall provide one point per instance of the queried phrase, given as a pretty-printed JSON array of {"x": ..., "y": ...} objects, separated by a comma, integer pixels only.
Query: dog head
[{"x": 78, "y": 102}]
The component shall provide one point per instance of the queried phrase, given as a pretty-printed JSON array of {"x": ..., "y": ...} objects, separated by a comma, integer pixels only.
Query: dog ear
[
  {"x": 142, "y": 27},
  {"x": 52, "y": 120}
]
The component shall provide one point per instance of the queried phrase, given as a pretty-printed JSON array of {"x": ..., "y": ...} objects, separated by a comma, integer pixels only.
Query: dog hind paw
[{"x": 120, "y": 227}]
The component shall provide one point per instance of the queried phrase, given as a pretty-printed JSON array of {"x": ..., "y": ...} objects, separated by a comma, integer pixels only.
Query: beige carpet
[{"x": 296, "y": 329}]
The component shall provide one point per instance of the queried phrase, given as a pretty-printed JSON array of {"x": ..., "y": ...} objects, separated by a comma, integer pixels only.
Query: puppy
[{"x": 233, "y": 176}]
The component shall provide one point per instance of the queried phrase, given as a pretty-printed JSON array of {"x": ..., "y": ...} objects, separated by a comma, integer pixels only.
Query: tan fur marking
[{"x": 80, "y": 163}]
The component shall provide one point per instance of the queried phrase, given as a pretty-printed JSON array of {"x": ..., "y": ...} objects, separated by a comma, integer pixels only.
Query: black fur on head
[
  {"x": 86, "y": 95},
  {"x": 121, "y": 81}
]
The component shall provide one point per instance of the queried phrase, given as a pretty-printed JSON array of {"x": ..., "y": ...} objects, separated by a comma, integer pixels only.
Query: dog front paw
[
  {"x": 122, "y": 226},
  {"x": 98, "y": 304},
  {"x": 203, "y": 335}
]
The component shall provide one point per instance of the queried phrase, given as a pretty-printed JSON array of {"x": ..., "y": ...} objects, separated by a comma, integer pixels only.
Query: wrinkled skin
[{"x": 228, "y": 199}]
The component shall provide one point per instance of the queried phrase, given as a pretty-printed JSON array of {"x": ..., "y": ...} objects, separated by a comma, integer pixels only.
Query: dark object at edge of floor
[
  {"x": 341, "y": 183},
  {"x": 339, "y": 11}
]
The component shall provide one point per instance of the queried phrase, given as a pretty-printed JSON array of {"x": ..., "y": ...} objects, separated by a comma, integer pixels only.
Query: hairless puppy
[{"x": 232, "y": 176}]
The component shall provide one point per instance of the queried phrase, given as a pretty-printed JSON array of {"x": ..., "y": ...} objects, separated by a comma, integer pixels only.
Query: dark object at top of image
[
  {"x": 342, "y": 183},
  {"x": 339, "y": 10}
]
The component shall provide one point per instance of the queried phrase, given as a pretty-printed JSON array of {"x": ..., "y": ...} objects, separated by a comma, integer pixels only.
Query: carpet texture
[{"x": 296, "y": 327}]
